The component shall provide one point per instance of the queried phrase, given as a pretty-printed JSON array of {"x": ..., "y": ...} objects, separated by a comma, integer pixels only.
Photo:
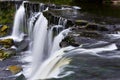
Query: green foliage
[{"x": 6, "y": 13}]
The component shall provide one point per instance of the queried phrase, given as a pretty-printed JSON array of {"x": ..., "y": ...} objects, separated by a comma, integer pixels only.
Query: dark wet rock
[
  {"x": 81, "y": 22},
  {"x": 6, "y": 43},
  {"x": 14, "y": 69},
  {"x": 69, "y": 24},
  {"x": 118, "y": 44},
  {"x": 91, "y": 34},
  {"x": 5, "y": 54},
  {"x": 21, "y": 77},
  {"x": 92, "y": 26},
  {"x": 97, "y": 27},
  {"x": 103, "y": 28},
  {"x": 69, "y": 40},
  {"x": 22, "y": 46},
  {"x": 3, "y": 30}
]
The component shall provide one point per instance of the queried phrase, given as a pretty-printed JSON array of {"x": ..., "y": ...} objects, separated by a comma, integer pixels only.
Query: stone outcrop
[
  {"x": 14, "y": 69},
  {"x": 3, "y": 30},
  {"x": 69, "y": 41},
  {"x": 5, "y": 54},
  {"x": 6, "y": 43}
]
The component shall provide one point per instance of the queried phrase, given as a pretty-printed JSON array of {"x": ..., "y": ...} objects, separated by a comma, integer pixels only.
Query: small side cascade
[
  {"x": 62, "y": 21},
  {"x": 19, "y": 23},
  {"x": 58, "y": 39}
]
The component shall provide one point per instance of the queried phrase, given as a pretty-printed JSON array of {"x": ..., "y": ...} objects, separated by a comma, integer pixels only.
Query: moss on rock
[
  {"x": 7, "y": 43},
  {"x": 14, "y": 69},
  {"x": 5, "y": 54}
]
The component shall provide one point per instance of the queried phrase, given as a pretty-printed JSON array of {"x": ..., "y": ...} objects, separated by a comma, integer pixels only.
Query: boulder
[
  {"x": 22, "y": 45},
  {"x": 103, "y": 28},
  {"x": 3, "y": 30},
  {"x": 5, "y": 54},
  {"x": 91, "y": 34},
  {"x": 96, "y": 27},
  {"x": 21, "y": 77},
  {"x": 81, "y": 22},
  {"x": 14, "y": 69},
  {"x": 92, "y": 26},
  {"x": 7, "y": 43},
  {"x": 69, "y": 40}
]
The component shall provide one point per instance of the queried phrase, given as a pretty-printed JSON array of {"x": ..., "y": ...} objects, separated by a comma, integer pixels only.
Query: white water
[
  {"x": 58, "y": 59},
  {"x": 39, "y": 37},
  {"x": 31, "y": 24},
  {"x": 58, "y": 39},
  {"x": 62, "y": 22},
  {"x": 51, "y": 37},
  {"x": 17, "y": 33}
]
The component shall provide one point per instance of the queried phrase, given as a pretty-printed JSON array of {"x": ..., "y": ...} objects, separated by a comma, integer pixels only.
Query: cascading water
[
  {"x": 19, "y": 23},
  {"x": 56, "y": 58},
  {"x": 58, "y": 39},
  {"x": 18, "y": 26},
  {"x": 32, "y": 23},
  {"x": 39, "y": 37},
  {"x": 62, "y": 57},
  {"x": 51, "y": 37}
]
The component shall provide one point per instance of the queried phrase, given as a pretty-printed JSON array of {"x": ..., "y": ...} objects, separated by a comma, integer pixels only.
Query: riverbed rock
[
  {"x": 5, "y": 54},
  {"x": 3, "y": 30},
  {"x": 6, "y": 43},
  {"x": 21, "y": 77},
  {"x": 96, "y": 27},
  {"x": 92, "y": 26},
  {"x": 69, "y": 40},
  {"x": 91, "y": 34},
  {"x": 22, "y": 45},
  {"x": 14, "y": 69},
  {"x": 81, "y": 22}
]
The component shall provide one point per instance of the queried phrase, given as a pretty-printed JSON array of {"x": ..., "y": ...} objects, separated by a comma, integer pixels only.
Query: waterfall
[
  {"x": 48, "y": 59},
  {"x": 62, "y": 21},
  {"x": 58, "y": 39},
  {"x": 61, "y": 59},
  {"x": 17, "y": 33},
  {"x": 39, "y": 37},
  {"x": 32, "y": 23},
  {"x": 54, "y": 62}
]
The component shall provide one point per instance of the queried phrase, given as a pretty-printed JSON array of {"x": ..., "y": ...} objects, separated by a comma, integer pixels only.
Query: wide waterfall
[{"x": 48, "y": 59}]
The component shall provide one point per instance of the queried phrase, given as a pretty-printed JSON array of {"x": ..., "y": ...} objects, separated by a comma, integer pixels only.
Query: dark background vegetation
[{"x": 7, "y": 9}]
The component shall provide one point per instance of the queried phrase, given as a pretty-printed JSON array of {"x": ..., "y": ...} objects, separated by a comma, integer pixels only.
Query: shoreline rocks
[
  {"x": 5, "y": 54},
  {"x": 6, "y": 43},
  {"x": 3, "y": 30},
  {"x": 14, "y": 69}
]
